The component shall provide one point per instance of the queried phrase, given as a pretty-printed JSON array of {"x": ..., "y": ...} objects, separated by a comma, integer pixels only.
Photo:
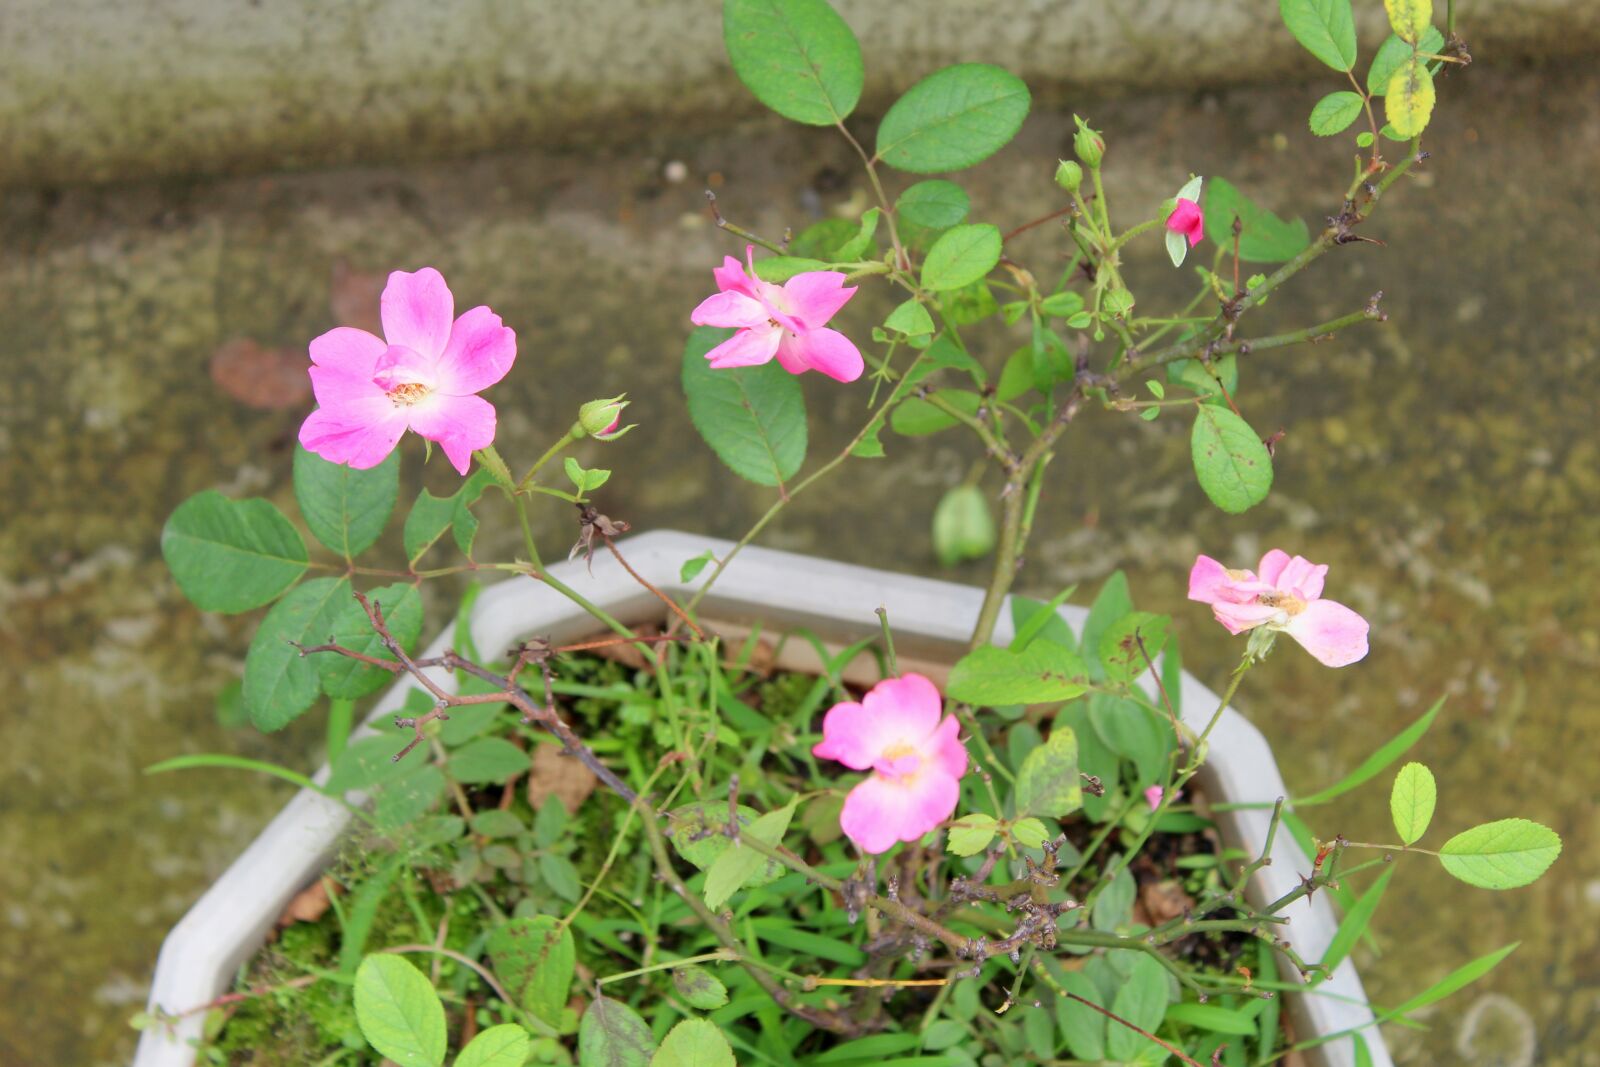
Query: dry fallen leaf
[
  {"x": 308, "y": 905},
  {"x": 562, "y": 777},
  {"x": 267, "y": 378},
  {"x": 1164, "y": 900}
]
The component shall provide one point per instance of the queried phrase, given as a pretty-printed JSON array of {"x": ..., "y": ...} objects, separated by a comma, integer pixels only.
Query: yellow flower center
[{"x": 403, "y": 396}]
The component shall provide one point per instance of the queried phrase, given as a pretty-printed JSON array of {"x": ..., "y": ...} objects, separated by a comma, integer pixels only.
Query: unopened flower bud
[
  {"x": 600, "y": 418},
  {"x": 1088, "y": 144},
  {"x": 1069, "y": 175}
]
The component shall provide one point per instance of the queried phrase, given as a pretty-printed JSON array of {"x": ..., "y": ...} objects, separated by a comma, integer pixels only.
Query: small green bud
[
  {"x": 1069, "y": 175},
  {"x": 1088, "y": 144},
  {"x": 600, "y": 418}
]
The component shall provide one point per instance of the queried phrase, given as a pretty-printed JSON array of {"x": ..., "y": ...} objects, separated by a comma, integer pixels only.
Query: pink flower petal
[
  {"x": 1187, "y": 220},
  {"x": 910, "y": 705},
  {"x": 789, "y": 355},
  {"x": 1238, "y": 618},
  {"x": 828, "y": 351},
  {"x": 878, "y": 813},
  {"x": 729, "y": 309},
  {"x": 1305, "y": 579},
  {"x": 336, "y": 389},
  {"x": 418, "y": 311},
  {"x": 1153, "y": 795},
  {"x": 347, "y": 350},
  {"x": 731, "y": 278},
  {"x": 1333, "y": 633},
  {"x": 946, "y": 750},
  {"x": 460, "y": 424},
  {"x": 746, "y": 348},
  {"x": 1206, "y": 577},
  {"x": 480, "y": 351},
  {"x": 361, "y": 434},
  {"x": 402, "y": 366},
  {"x": 816, "y": 296},
  {"x": 1272, "y": 565}
]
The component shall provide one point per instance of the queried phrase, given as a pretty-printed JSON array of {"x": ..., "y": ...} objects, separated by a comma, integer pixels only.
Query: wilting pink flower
[
  {"x": 1153, "y": 795},
  {"x": 1187, "y": 220},
  {"x": 422, "y": 375},
  {"x": 915, "y": 758},
  {"x": 788, "y": 321},
  {"x": 1286, "y": 595}
]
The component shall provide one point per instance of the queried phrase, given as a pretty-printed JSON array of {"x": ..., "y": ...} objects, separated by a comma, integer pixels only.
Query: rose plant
[{"x": 783, "y": 870}]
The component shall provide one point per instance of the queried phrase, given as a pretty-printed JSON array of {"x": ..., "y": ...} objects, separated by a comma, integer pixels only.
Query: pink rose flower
[
  {"x": 915, "y": 758},
  {"x": 788, "y": 321},
  {"x": 1187, "y": 220},
  {"x": 1286, "y": 595},
  {"x": 422, "y": 375}
]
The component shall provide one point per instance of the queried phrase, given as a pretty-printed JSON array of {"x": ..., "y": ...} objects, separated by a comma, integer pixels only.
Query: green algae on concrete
[
  {"x": 95, "y": 91},
  {"x": 1445, "y": 464}
]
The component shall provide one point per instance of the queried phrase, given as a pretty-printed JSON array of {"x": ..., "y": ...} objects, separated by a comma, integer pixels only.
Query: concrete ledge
[{"x": 93, "y": 91}]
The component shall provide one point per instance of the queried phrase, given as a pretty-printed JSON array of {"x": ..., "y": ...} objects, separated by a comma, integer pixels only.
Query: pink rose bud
[
  {"x": 1285, "y": 595},
  {"x": 600, "y": 418},
  {"x": 1187, "y": 221},
  {"x": 1153, "y": 795}
]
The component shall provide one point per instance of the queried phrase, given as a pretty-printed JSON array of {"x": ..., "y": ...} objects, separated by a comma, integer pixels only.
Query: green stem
[
  {"x": 572, "y": 436},
  {"x": 1148, "y": 224},
  {"x": 341, "y": 714}
]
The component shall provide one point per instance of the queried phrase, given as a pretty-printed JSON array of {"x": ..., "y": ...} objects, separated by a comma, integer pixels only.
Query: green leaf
[
  {"x": 536, "y": 959},
  {"x": 1083, "y": 1028},
  {"x": 821, "y": 240},
  {"x": 432, "y": 515},
  {"x": 910, "y": 318},
  {"x": 1230, "y": 461},
  {"x": 1132, "y": 732},
  {"x": 348, "y": 679},
  {"x": 754, "y": 418},
  {"x": 1194, "y": 376},
  {"x": 1042, "y": 673},
  {"x": 1408, "y": 102},
  {"x": 1394, "y": 54},
  {"x": 561, "y": 876},
  {"x": 797, "y": 56},
  {"x": 1264, "y": 237},
  {"x": 1327, "y": 29},
  {"x": 1503, "y": 854},
  {"x": 1355, "y": 922},
  {"x": 505, "y": 1045},
  {"x": 1110, "y": 605},
  {"x": 962, "y": 255},
  {"x": 697, "y": 834},
  {"x": 1031, "y": 619},
  {"x": 778, "y": 269},
  {"x": 1411, "y": 19},
  {"x": 585, "y": 480},
  {"x": 1335, "y": 112},
  {"x": 963, "y": 528},
  {"x": 934, "y": 204},
  {"x": 1048, "y": 783},
  {"x": 738, "y": 865},
  {"x": 488, "y": 759},
  {"x": 279, "y": 683},
  {"x": 694, "y": 1043},
  {"x": 399, "y": 1013},
  {"x": 915, "y": 417},
  {"x": 1212, "y": 1017},
  {"x": 970, "y": 834},
  {"x": 231, "y": 555},
  {"x": 613, "y": 1035},
  {"x": 860, "y": 243},
  {"x": 1032, "y": 833},
  {"x": 953, "y": 118},
  {"x": 1457, "y": 979},
  {"x": 692, "y": 567},
  {"x": 1125, "y": 645},
  {"x": 1374, "y": 764},
  {"x": 497, "y": 823},
  {"x": 1411, "y": 802},
  {"x": 1142, "y": 1001},
  {"x": 346, "y": 509},
  {"x": 699, "y": 987}
]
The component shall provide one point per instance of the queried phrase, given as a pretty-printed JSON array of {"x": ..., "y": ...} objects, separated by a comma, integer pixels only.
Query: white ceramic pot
[{"x": 932, "y": 620}]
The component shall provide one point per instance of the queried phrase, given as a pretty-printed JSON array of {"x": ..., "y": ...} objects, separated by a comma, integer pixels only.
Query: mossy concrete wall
[{"x": 98, "y": 91}]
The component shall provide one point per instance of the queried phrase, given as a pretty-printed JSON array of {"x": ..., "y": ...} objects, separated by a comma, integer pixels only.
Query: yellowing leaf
[
  {"x": 1408, "y": 105},
  {"x": 1410, "y": 18}
]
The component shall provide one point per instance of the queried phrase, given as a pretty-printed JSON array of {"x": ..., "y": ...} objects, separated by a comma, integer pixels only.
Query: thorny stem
[{"x": 901, "y": 260}]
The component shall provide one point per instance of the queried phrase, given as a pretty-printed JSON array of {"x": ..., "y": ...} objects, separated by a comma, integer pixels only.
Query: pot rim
[{"x": 931, "y": 618}]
